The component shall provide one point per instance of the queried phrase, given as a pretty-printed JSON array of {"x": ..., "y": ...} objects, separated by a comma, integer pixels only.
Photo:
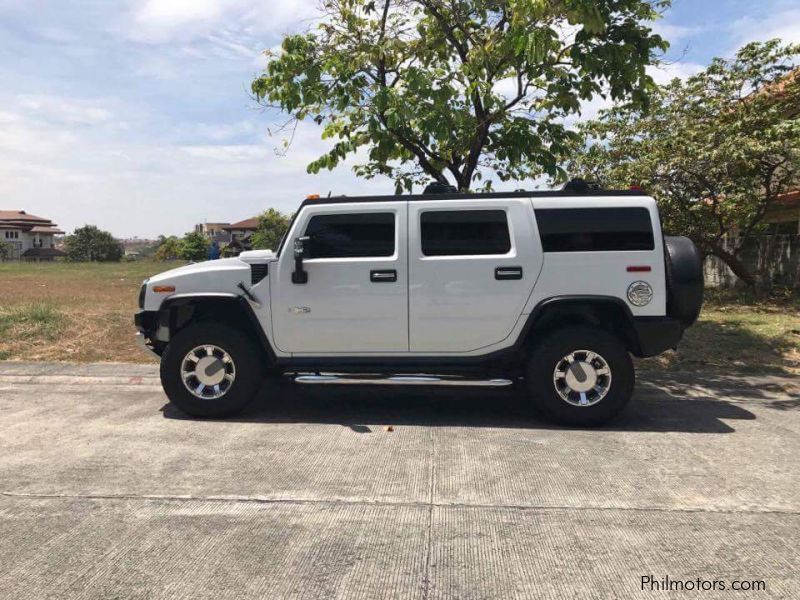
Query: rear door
[
  {"x": 472, "y": 266},
  {"x": 356, "y": 297}
]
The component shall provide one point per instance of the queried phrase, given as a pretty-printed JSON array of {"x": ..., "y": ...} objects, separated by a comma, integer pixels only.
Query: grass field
[
  {"x": 83, "y": 312},
  {"x": 71, "y": 311}
]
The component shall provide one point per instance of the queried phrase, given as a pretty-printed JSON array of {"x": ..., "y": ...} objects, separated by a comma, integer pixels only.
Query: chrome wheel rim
[
  {"x": 208, "y": 372},
  {"x": 582, "y": 378}
]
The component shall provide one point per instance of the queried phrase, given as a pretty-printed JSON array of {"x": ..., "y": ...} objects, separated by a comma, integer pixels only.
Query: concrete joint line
[{"x": 428, "y": 505}]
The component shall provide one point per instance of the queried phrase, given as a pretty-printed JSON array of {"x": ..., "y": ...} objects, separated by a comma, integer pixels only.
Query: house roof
[
  {"x": 789, "y": 199},
  {"x": 19, "y": 219},
  {"x": 20, "y": 215},
  {"x": 46, "y": 229},
  {"x": 251, "y": 223}
]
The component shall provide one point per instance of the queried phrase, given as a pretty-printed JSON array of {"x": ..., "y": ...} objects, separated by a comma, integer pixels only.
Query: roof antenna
[{"x": 329, "y": 193}]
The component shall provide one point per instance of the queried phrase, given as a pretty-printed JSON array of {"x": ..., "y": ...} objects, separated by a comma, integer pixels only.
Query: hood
[{"x": 223, "y": 265}]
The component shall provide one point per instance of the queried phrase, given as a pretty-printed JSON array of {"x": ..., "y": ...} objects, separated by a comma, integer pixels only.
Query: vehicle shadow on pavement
[{"x": 363, "y": 408}]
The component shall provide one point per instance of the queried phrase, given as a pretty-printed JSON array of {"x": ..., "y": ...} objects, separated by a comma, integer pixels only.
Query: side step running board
[{"x": 333, "y": 378}]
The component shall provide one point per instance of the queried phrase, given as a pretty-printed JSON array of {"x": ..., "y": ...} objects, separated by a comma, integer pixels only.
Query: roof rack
[{"x": 468, "y": 195}]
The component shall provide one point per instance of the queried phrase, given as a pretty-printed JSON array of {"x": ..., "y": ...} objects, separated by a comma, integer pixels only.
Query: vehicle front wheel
[
  {"x": 210, "y": 370},
  {"x": 580, "y": 376}
]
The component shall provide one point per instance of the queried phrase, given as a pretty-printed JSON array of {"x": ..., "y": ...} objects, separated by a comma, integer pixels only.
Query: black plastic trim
[
  {"x": 146, "y": 321},
  {"x": 244, "y": 305},
  {"x": 465, "y": 196},
  {"x": 657, "y": 335},
  {"x": 258, "y": 272}
]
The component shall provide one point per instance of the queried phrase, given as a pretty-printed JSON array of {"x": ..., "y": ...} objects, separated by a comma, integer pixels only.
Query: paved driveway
[{"x": 109, "y": 492}]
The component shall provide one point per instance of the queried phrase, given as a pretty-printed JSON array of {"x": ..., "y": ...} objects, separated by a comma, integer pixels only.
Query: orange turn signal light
[
  {"x": 163, "y": 289},
  {"x": 312, "y": 197}
]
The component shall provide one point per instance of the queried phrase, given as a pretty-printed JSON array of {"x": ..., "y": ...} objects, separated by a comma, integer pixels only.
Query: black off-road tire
[
  {"x": 549, "y": 353},
  {"x": 246, "y": 357}
]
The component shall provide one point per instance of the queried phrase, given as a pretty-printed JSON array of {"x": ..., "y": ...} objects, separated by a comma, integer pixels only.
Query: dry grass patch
[
  {"x": 95, "y": 304},
  {"x": 739, "y": 335}
]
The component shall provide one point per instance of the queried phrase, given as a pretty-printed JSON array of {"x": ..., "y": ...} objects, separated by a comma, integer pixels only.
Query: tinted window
[
  {"x": 350, "y": 235},
  {"x": 594, "y": 229},
  {"x": 464, "y": 232}
]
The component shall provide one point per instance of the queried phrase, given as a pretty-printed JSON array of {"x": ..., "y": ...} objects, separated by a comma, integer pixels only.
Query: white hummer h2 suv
[{"x": 556, "y": 289}]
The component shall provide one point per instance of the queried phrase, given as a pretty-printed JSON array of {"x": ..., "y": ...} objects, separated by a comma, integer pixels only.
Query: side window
[
  {"x": 351, "y": 235},
  {"x": 595, "y": 229},
  {"x": 464, "y": 232}
]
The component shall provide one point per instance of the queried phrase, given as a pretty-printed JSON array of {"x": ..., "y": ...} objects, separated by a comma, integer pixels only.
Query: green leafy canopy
[
  {"x": 272, "y": 226},
  {"x": 716, "y": 150},
  {"x": 90, "y": 244},
  {"x": 448, "y": 88}
]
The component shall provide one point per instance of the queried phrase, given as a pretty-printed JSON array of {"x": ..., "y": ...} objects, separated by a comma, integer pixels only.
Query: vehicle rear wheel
[
  {"x": 580, "y": 376},
  {"x": 210, "y": 370}
]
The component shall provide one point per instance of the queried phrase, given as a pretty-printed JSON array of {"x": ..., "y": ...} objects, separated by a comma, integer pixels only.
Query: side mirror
[{"x": 299, "y": 275}]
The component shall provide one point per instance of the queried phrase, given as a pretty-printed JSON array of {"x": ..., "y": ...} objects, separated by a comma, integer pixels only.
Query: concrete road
[{"x": 107, "y": 491}]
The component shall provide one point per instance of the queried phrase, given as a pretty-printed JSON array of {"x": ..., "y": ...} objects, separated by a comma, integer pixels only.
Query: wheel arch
[
  {"x": 604, "y": 312},
  {"x": 177, "y": 312}
]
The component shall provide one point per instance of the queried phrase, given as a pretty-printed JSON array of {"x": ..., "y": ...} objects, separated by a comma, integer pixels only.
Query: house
[
  {"x": 29, "y": 237},
  {"x": 240, "y": 234},
  {"x": 215, "y": 232},
  {"x": 784, "y": 215}
]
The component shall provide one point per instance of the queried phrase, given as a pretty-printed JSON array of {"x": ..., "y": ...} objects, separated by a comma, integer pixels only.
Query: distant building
[
  {"x": 241, "y": 233},
  {"x": 29, "y": 237},
  {"x": 215, "y": 232}
]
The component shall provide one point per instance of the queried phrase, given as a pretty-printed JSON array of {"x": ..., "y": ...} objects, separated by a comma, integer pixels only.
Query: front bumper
[
  {"x": 146, "y": 321},
  {"x": 142, "y": 342},
  {"x": 147, "y": 324},
  {"x": 657, "y": 334}
]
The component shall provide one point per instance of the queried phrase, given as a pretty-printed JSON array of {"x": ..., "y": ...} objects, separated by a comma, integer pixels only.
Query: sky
[{"x": 135, "y": 115}]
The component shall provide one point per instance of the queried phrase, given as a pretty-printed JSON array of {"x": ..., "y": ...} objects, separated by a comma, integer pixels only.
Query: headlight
[{"x": 640, "y": 293}]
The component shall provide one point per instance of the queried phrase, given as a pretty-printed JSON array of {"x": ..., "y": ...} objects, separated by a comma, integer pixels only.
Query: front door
[
  {"x": 356, "y": 296},
  {"x": 472, "y": 267}
]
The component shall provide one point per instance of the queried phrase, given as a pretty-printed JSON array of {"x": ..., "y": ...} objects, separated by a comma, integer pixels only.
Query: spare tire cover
[{"x": 684, "y": 279}]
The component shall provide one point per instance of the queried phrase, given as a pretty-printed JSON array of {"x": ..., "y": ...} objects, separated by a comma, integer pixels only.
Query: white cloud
[
  {"x": 784, "y": 24},
  {"x": 664, "y": 73},
  {"x": 159, "y": 21},
  {"x": 72, "y": 111},
  {"x": 674, "y": 33},
  {"x": 99, "y": 175}
]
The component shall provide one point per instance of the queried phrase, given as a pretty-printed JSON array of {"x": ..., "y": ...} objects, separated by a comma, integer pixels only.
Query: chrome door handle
[
  {"x": 506, "y": 273},
  {"x": 299, "y": 310},
  {"x": 386, "y": 276}
]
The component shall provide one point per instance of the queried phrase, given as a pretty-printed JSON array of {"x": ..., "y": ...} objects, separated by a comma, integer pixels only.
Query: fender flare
[
  {"x": 165, "y": 314},
  {"x": 644, "y": 336},
  {"x": 577, "y": 300}
]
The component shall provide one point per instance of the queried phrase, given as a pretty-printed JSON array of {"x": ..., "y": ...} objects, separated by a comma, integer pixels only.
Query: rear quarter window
[{"x": 595, "y": 229}]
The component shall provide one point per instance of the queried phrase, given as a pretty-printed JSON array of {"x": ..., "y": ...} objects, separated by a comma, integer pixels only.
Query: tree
[
  {"x": 716, "y": 150},
  {"x": 5, "y": 251},
  {"x": 193, "y": 246},
  {"x": 272, "y": 226},
  {"x": 168, "y": 249},
  {"x": 438, "y": 89},
  {"x": 90, "y": 244}
]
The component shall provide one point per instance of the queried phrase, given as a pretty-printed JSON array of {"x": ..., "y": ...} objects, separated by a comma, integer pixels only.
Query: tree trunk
[{"x": 734, "y": 264}]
